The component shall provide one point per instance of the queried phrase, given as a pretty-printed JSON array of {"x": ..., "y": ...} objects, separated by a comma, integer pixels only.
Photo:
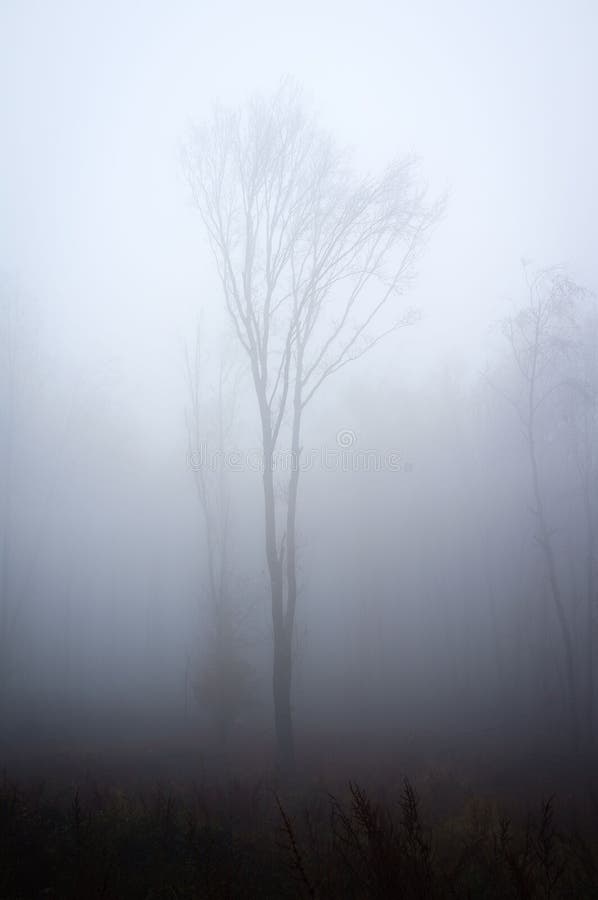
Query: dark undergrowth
[{"x": 91, "y": 842}]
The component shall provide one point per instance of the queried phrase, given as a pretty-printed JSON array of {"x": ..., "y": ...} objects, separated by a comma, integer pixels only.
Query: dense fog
[{"x": 444, "y": 546}]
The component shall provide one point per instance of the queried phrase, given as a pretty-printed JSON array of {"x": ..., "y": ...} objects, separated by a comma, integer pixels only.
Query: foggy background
[{"x": 422, "y": 607}]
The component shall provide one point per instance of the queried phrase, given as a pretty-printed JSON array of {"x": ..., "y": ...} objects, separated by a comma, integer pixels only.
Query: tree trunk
[
  {"x": 545, "y": 543},
  {"x": 282, "y": 667},
  {"x": 283, "y": 721},
  {"x": 283, "y": 662},
  {"x": 590, "y": 601}
]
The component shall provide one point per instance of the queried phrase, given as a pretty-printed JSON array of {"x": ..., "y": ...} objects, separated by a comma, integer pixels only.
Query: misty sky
[
  {"x": 498, "y": 100},
  {"x": 430, "y": 578}
]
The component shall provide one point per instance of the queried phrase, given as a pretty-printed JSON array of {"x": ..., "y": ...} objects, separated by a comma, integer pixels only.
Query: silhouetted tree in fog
[
  {"x": 579, "y": 407},
  {"x": 542, "y": 338},
  {"x": 310, "y": 258},
  {"x": 15, "y": 372},
  {"x": 222, "y": 682},
  {"x": 8, "y": 408}
]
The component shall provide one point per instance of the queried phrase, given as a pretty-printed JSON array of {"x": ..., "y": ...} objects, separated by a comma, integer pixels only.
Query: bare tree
[
  {"x": 222, "y": 681},
  {"x": 309, "y": 258},
  {"x": 541, "y": 337},
  {"x": 8, "y": 604},
  {"x": 16, "y": 357},
  {"x": 579, "y": 409}
]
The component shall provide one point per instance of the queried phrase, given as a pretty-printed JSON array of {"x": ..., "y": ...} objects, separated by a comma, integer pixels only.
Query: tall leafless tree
[
  {"x": 579, "y": 409},
  {"x": 310, "y": 259},
  {"x": 8, "y": 358},
  {"x": 541, "y": 337},
  {"x": 222, "y": 681}
]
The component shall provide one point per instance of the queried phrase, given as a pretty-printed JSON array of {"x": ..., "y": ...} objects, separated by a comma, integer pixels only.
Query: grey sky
[
  {"x": 498, "y": 100},
  {"x": 430, "y": 579}
]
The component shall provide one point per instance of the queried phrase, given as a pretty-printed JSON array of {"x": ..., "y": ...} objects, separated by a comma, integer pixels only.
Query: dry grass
[{"x": 91, "y": 842}]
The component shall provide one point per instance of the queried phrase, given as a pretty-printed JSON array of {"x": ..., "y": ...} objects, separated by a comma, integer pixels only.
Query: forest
[{"x": 298, "y": 451}]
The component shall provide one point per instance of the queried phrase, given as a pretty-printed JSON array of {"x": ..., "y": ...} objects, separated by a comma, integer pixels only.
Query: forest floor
[{"x": 158, "y": 821}]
